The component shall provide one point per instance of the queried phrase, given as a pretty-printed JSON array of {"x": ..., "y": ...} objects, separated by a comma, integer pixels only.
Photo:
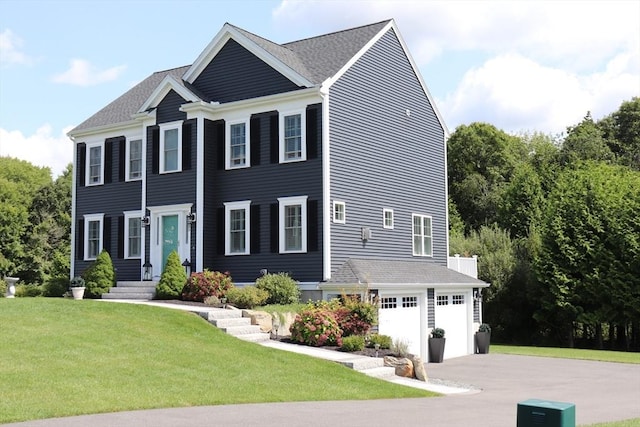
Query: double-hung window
[
  {"x": 134, "y": 159},
  {"x": 339, "y": 212},
  {"x": 237, "y": 227},
  {"x": 95, "y": 164},
  {"x": 237, "y": 145},
  {"x": 171, "y": 147},
  {"x": 387, "y": 218},
  {"x": 293, "y": 147},
  {"x": 293, "y": 224},
  {"x": 133, "y": 234},
  {"x": 93, "y": 236},
  {"x": 422, "y": 236}
]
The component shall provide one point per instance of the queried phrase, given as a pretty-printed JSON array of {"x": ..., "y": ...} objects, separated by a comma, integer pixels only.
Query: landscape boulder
[
  {"x": 419, "y": 370},
  {"x": 403, "y": 366}
]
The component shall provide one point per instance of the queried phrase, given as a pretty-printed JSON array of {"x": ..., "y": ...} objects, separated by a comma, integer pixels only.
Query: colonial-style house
[{"x": 323, "y": 157}]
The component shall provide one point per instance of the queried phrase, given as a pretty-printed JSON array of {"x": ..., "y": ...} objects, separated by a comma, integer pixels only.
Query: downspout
[{"x": 326, "y": 186}]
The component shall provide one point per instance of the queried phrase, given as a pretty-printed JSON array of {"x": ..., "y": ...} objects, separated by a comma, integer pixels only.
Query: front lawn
[
  {"x": 569, "y": 353},
  {"x": 61, "y": 357}
]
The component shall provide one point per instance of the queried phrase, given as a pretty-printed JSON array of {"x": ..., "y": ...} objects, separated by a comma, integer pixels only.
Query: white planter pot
[
  {"x": 78, "y": 293},
  {"x": 11, "y": 286}
]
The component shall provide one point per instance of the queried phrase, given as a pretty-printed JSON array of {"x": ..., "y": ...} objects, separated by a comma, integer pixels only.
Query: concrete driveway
[{"x": 601, "y": 392}]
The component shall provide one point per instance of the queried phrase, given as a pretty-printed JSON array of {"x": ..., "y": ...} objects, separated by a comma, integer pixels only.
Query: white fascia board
[
  {"x": 168, "y": 83},
  {"x": 224, "y": 35},
  {"x": 399, "y": 287},
  {"x": 107, "y": 131}
]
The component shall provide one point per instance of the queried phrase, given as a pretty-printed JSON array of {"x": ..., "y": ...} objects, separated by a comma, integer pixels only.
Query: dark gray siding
[
  {"x": 383, "y": 158},
  {"x": 169, "y": 109},
  {"x": 235, "y": 73},
  {"x": 262, "y": 183},
  {"x": 111, "y": 199}
]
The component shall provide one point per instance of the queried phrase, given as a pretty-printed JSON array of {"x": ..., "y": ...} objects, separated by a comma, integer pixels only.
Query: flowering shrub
[
  {"x": 316, "y": 327},
  {"x": 350, "y": 322},
  {"x": 208, "y": 283}
]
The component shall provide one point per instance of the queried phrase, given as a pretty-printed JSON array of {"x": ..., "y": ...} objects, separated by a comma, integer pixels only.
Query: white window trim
[
  {"x": 127, "y": 166},
  {"x": 290, "y": 201},
  {"x": 163, "y": 128},
  {"x": 88, "y": 163},
  {"x": 430, "y": 254},
  {"x": 247, "y": 143},
  {"x": 384, "y": 219},
  {"x": 92, "y": 218},
  {"x": 228, "y": 207},
  {"x": 303, "y": 135},
  {"x": 127, "y": 216},
  {"x": 344, "y": 212}
]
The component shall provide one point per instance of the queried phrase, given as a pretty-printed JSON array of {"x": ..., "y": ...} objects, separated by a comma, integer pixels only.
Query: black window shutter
[
  {"x": 106, "y": 234},
  {"x": 275, "y": 233},
  {"x": 255, "y": 229},
  {"x": 274, "y": 137},
  {"x": 80, "y": 239},
  {"x": 121, "y": 159},
  {"x": 254, "y": 130},
  {"x": 312, "y": 226},
  {"x": 155, "y": 150},
  {"x": 108, "y": 161},
  {"x": 219, "y": 136},
  {"x": 81, "y": 164},
  {"x": 186, "y": 146},
  {"x": 312, "y": 133},
  {"x": 220, "y": 235},
  {"x": 121, "y": 229}
]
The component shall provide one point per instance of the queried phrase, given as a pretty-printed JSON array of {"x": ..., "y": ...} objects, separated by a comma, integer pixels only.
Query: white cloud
[
  {"x": 10, "y": 53},
  {"x": 41, "y": 149},
  {"x": 82, "y": 73}
]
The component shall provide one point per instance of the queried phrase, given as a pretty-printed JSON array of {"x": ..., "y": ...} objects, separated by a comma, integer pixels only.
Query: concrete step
[
  {"x": 383, "y": 372},
  {"x": 129, "y": 295},
  {"x": 137, "y": 284},
  {"x": 231, "y": 321},
  {"x": 257, "y": 337},
  {"x": 241, "y": 330},
  {"x": 360, "y": 363},
  {"x": 132, "y": 289},
  {"x": 222, "y": 314}
]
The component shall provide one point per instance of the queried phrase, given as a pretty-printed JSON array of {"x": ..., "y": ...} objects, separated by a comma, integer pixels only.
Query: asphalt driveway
[{"x": 601, "y": 392}]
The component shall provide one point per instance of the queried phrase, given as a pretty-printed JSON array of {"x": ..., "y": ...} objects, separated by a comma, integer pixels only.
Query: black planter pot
[
  {"x": 483, "y": 341},
  {"x": 436, "y": 350}
]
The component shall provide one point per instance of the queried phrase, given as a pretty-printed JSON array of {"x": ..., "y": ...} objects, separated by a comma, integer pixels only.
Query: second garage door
[{"x": 451, "y": 315}]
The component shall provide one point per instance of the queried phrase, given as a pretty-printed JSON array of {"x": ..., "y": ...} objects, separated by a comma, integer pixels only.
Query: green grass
[
  {"x": 60, "y": 357},
  {"x": 635, "y": 422},
  {"x": 569, "y": 353}
]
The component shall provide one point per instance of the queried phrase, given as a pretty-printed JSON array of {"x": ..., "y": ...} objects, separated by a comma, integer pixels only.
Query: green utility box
[{"x": 544, "y": 413}]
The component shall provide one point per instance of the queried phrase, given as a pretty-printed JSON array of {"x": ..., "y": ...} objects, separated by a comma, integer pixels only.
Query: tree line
[{"x": 555, "y": 222}]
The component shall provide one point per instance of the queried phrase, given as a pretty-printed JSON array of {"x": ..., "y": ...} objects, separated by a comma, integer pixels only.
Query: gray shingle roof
[
  {"x": 388, "y": 271},
  {"x": 315, "y": 58}
]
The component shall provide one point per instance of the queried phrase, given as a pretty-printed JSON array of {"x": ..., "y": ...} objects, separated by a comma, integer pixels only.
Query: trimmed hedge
[
  {"x": 200, "y": 286},
  {"x": 281, "y": 287},
  {"x": 99, "y": 277},
  {"x": 173, "y": 278},
  {"x": 247, "y": 297}
]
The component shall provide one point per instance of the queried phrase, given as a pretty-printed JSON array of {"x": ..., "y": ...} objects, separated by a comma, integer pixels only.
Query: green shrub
[
  {"x": 3, "y": 288},
  {"x": 355, "y": 317},
  {"x": 99, "y": 277},
  {"x": 55, "y": 287},
  {"x": 199, "y": 286},
  {"x": 281, "y": 287},
  {"x": 316, "y": 327},
  {"x": 353, "y": 343},
  {"x": 247, "y": 297},
  {"x": 173, "y": 278},
  {"x": 383, "y": 340},
  {"x": 484, "y": 327},
  {"x": 23, "y": 290},
  {"x": 437, "y": 333}
]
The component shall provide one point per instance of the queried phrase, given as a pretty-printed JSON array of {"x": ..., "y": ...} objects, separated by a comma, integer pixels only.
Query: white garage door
[
  {"x": 451, "y": 315},
  {"x": 399, "y": 317}
]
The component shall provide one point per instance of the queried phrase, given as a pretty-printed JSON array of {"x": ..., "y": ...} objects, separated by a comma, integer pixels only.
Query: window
[
  {"x": 237, "y": 230},
  {"x": 293, "y": 224},
  {"x": 171, "y": 147},
  {"x": 292, "y": 137},
  {"x": 133, "y": 234},
  {"x": 134, "y": 159},
  {"x": 409, "y": 302},
  {"x": 387, "y": 218},
  {"x": 388, "y": 302},
  {"x": 237, "y": 145},
  {"x": 422, "y": 242},
  {"x": 95, "y": 164},
  {"x": 443, "y": 300},
  {"x": 92, "y": 236},
  {"x": 339, "y": 212},
  {"x": 457, "y": 299}
]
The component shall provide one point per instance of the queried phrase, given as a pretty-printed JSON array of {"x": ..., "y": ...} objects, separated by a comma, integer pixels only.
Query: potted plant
[
  {"x": 436, "y": 345},
  {"x": 483, "y": 339},
  {"x": 77, "y": 287}
]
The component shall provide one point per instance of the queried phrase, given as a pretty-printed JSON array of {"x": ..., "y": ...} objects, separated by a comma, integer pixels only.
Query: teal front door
[{"x": 169, "y": 236}]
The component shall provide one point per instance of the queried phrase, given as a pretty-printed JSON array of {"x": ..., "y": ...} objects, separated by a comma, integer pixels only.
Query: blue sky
[{"x": 521, "y": 66}]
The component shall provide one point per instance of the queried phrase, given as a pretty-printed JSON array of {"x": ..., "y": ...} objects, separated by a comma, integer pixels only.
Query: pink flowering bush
[
  {"x": 208, "y": 283},
  {"x": 316, "y": 327}
]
